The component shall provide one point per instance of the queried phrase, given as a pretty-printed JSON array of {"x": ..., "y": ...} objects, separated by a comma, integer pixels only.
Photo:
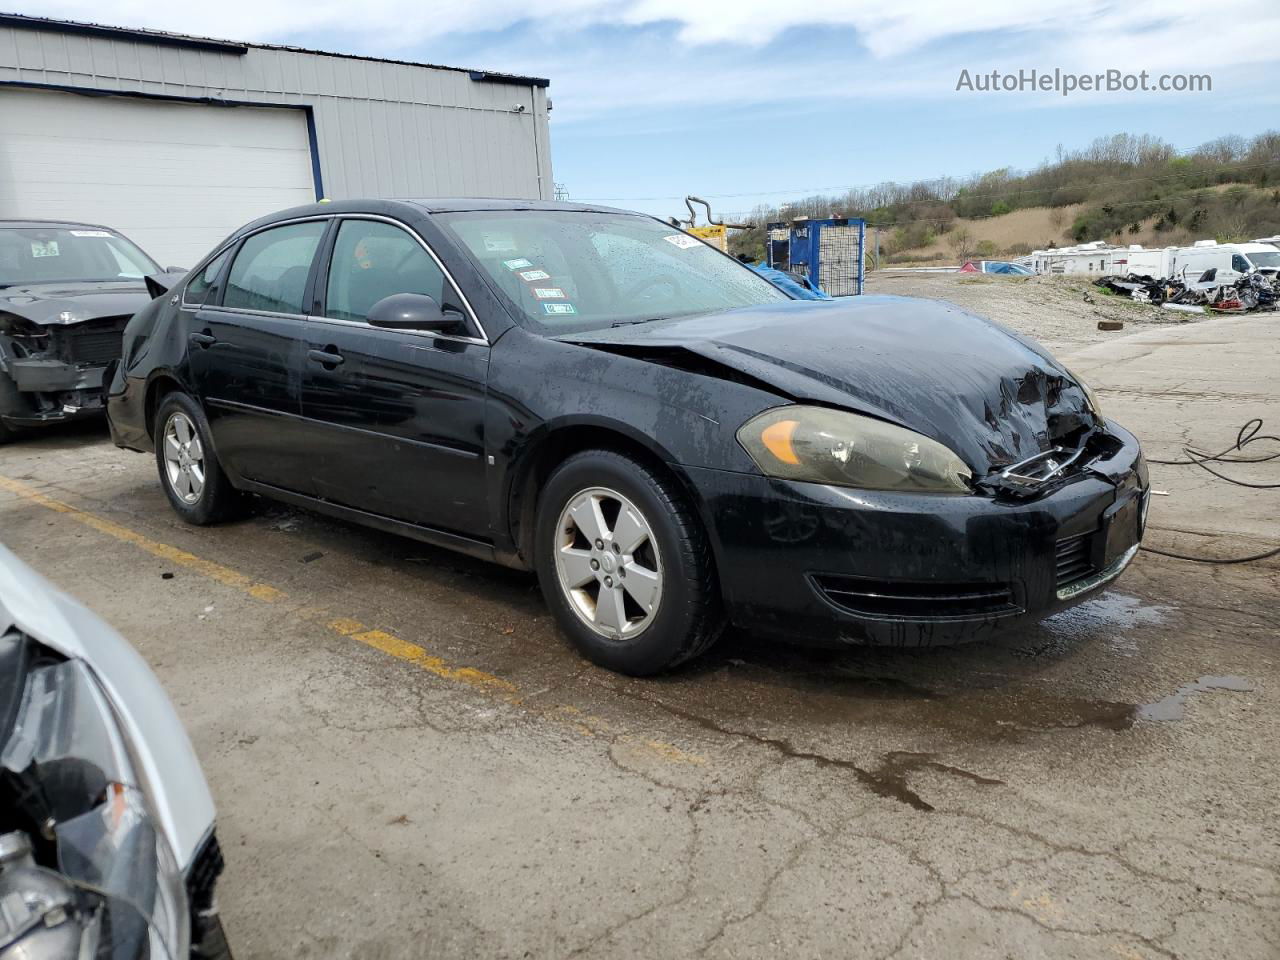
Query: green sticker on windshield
[
  {"x": 558, "y": 308},
  {"x": 519, "y": 264}
]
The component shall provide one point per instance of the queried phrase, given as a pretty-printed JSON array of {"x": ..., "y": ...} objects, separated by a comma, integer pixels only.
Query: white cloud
[
  {"x": 885, "y": 30},
  {"x": 715, "y": 52}
]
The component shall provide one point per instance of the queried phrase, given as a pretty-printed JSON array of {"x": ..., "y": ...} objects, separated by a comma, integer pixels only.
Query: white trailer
[
  {"x": 1098, "y": 257},
  {"x": 1157, "y": 263}
]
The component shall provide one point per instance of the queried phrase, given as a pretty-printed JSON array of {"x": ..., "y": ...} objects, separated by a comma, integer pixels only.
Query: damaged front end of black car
[
  {"x": 940, "y": 480},
  {"x": 66, "y": 293}
]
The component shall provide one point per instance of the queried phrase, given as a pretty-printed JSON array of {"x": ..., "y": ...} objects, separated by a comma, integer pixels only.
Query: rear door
[
  {"x": 396, "y": 416},
  {"x": 246, "y": 354}
]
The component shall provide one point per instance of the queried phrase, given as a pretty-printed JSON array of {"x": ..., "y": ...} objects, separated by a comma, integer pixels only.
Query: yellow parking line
[
  {"x": 180, "y": 558},
  {"x": 380, "y": 640}
]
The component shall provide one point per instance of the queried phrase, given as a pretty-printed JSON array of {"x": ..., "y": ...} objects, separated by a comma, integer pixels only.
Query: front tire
[
  {"x": 193, "y": 480},
  {"x": 625, "y": 565}
]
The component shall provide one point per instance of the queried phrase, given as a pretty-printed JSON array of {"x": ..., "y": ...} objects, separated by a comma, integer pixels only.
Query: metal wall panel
[{"x": 382, "y": 129}]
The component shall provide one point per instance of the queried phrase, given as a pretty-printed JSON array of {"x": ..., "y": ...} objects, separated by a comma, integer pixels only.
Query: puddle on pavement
[
  {"x": 1109, "y": 617},
  {"x": 986, "y": 708},
  {"x": 1173, "y": 707}
]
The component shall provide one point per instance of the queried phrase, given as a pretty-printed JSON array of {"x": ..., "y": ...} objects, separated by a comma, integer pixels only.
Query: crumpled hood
[
  {"x": 50, "y": 304},
  {"x": 990, "y": 395}
]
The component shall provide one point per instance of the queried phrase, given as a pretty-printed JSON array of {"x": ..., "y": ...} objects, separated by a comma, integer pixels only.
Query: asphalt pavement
[{"x": 408, "y": 761}]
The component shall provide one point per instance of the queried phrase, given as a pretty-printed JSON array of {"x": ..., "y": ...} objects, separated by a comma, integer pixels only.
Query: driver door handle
[
  {"x": 327, "y": 357},
  {"x": 203, "y": 339}
]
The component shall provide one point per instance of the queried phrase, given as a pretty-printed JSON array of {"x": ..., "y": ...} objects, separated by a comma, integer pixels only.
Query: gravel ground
[{"x": 1053, "y": 310}]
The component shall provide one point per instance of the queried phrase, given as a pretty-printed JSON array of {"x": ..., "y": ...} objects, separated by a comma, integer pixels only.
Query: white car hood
[{"x": 177, "y": 788}]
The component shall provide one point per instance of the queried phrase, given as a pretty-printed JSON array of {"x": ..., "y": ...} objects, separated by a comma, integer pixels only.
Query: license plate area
[{"x": 1119, "y": 530}]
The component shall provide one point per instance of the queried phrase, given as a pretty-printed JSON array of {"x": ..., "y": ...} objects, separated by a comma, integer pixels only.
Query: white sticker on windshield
[
  {"x": 530, "y": 275},
  {"x": 46, "y": 248},
  {"x": 683, "y": 241},
  {"x": 548, "y": 293},
  {"x": 499, "y": 243},
  {"x": 519, "y": 264},
  {"x": 90, "y": 233},
  {"x": 558, "y": 308}
]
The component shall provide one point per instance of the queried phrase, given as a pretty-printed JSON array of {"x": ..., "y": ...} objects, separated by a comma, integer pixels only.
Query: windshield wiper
[{"x": 630, "y": 323}]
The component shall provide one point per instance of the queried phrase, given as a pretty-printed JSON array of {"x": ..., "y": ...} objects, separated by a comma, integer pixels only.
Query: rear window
[{"x": 270, "y": 271}]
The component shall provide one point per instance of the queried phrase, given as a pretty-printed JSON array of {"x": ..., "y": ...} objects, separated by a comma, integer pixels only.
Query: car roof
[
  {"x": 416, "y": 206},
  {"x": 67, "y": 224},
  {"x": 458, "y": 204}
]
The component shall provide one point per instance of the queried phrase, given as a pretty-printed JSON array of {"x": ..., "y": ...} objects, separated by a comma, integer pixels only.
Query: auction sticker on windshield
[
  {"x": 558, "y": 308},
  {"x": 548, "y": 293},
  {"x": 682, "y": 241},
  {"x": 535, "y": 275},
  {"x": 90, "y": 233},
  {"x": 517, "y": 264},
  {"x": 47, "y": 248}
]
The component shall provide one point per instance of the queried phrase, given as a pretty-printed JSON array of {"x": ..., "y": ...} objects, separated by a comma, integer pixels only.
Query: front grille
[
  {"x": 1074, "y": 559},
  {"x": 95, "y": 347},
  {"x": 892, "y": 599},
  {"x": 95, "y": 341}
]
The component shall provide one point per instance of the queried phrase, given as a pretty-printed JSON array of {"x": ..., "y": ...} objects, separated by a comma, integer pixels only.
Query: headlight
[
  {"x": 831, "y": 446},
  {"x": 80, "y": 786}
]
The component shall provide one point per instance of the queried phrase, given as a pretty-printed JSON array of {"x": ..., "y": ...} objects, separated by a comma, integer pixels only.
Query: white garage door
[{"x": 174, "y": 177}]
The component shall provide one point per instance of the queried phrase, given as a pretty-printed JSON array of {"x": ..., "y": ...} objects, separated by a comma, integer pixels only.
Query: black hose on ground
[{"x": 1249, "y": 433}]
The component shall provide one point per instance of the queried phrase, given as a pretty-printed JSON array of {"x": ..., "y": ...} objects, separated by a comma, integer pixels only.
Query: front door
[
  {"x": 396, "y": 416},
  {"x": 246, "y": 354}
]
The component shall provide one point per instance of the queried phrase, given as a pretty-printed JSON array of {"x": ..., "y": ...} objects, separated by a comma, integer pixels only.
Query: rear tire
[
  {"x": 193, "y": 480},
  {"x": 604, "y": 517}
]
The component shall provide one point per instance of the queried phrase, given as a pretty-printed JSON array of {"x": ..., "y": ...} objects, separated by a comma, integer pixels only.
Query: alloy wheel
[
  {"x": 608, "y": 564},
  {"x": 183, "y": 458}
]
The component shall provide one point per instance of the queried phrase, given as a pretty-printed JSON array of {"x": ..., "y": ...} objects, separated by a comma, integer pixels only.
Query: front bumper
[
  {"x": 43, "y": 391},
  {"x": 835, "y": 565}
]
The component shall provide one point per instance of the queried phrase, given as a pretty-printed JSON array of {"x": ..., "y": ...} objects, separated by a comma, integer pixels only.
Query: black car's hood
[
  {"x": 61, "y": 303},
  {"x": 990, "y": 395}
]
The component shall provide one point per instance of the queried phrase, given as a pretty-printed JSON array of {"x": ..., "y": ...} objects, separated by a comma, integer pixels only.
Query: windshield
[
  {"x": 1266, "y": 260},
  {"x": 571, "y": 271},
  {"x": 62, "y": 254}
]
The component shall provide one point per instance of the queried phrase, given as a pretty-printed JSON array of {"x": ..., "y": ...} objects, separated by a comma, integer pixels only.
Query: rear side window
[
  {"x": 270, "y": 271},
  {"x": 372, "y": 260},
  {"x": 198, "y": 289}
]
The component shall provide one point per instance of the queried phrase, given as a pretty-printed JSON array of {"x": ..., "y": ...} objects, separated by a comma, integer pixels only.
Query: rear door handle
[
  {"x": 203, "y": 339},
  {"x": 324, "y": 356}
]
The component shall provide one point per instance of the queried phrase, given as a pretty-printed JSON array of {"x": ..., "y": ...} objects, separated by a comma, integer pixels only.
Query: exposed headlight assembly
[
  {"x": 76, "y": 781},
  {"x": 831, "y": 446}
]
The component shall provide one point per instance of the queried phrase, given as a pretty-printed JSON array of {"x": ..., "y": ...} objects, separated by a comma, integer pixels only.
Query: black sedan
[
  {"x": 66, "y": 292},
  {"x": 670, "y": 441}
]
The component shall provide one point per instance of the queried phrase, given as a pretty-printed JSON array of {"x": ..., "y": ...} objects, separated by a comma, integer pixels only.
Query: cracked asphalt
[{"x": 409, "y": 762}]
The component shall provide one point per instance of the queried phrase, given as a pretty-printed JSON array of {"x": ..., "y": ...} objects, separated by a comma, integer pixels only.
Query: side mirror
[{"x": 412, "y": 311}]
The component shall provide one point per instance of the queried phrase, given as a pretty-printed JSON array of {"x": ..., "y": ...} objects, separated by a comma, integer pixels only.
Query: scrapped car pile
[{"x": 1254, "y": 291}]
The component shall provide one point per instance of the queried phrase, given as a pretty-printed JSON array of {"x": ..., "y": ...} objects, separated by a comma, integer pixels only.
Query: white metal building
[{"x": 176, "y": 140}]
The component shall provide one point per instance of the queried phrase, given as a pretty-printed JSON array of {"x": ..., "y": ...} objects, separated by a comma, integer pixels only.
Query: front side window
[
  {"x": 1239, "y": 264},
  {"x": 198, "y": 289},
  {"x": 270, "y": 271},
  {"x": 69, "y": 254},
  {"x": 372, "y": 260},
  {"x": 571, "y": 271}
]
